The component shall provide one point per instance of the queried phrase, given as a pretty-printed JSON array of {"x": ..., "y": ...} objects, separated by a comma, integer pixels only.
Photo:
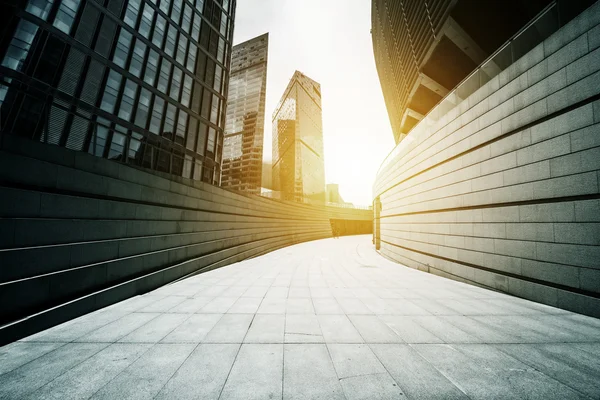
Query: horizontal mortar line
[
  {"x": 496, "y": 139},
  {"x": 47, "y": 190},
  {"x": 150, "y": 237},
  {"x": 115, "y": 285},
  {"x": 423, "y": 192},
  {"x": 499, "y": 205},
  {"x": 500, "y": 104},
  {"x": 498, "y": 272},
  {"x": 496, "y": 254},
  {"x": 480, "y": 237},
  {"x": 170, "y": 249}
]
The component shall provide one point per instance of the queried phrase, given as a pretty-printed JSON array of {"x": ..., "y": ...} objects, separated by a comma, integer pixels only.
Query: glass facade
[
  {"x": 143, "y": 82},
  {"x": 244, "y": 125},
  {"x": 298, "y": 161}
]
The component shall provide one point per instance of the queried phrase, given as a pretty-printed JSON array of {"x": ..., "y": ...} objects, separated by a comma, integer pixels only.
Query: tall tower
[
  {"x": 142, "y": 82},
  {"x": 244, "y": 126},
  {"x": 298, "y": 161}
]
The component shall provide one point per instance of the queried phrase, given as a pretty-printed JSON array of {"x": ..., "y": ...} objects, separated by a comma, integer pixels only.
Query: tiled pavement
[{"x": 322, "y": 320}]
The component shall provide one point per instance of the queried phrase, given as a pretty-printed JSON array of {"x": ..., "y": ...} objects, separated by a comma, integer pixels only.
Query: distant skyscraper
[
  {"x": 143, "y": 82},
  {"x": 244, "y": 126},
  {"x": 298, "y": 161}
]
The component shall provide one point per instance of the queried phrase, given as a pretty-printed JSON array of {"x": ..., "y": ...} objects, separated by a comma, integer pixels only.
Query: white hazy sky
[{"x": 329, "y": 41}]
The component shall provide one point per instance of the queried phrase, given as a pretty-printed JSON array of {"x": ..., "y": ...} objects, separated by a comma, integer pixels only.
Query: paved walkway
[{"x": 322, "y": 320}]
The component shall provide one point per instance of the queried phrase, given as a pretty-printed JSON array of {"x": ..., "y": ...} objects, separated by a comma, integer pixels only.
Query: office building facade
[
  {"x": 423, "y": 49},
  {"x": 140, "y": 82},
  {"x": 298, "y": 159},
  {"x": 244, "y": 124}
]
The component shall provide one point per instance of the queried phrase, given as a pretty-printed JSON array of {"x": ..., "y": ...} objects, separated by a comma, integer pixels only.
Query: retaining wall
[
  {"x": 79, "y": 232},
  {"x": 503, "y": 191}
]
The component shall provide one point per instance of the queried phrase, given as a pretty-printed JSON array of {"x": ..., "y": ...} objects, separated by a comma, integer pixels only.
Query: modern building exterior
[
  {"x": 298, "y": 160},
  {"x": 140, "y": 82},
  {"x": 498, "y": 184},
  {"x": 244, "y": 124},
  {"x": 333, "y": 193},
  {"x": 423, "y": 49}
]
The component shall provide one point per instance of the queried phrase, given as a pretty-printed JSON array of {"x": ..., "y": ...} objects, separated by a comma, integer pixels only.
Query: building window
[
  {"x": 143, "y": 106},
  {"x": 19, "y": 45},
  {"x": 66, "y": 15},
  {"x": 39, "y": 8},
  {"x": 137, "y": 58},
  {"x": 157, "y": 112},
  {"x": 171, "y": 39},
  {"x": 159, "y": 31},
  {"x": 186, "y": 21},
  {"x": 186, "y": 91},
  {"x": 122, "y": 49},
  {"x": 151, "y": 67},
  {"x": 163, "y": 77},
  {"x": 176, "y": 11},
  {"x": 169, "y": 119},
  {"x": 111, "y": 90},
  {"x": 132, "y": 12},
  {"x": 176, "y": 84},
  {"x": 127, "y": 100},
  {"x": 146, "y": 21},
  {"x": 181, "y": 49},
  {"x": 181, "y": 124}
]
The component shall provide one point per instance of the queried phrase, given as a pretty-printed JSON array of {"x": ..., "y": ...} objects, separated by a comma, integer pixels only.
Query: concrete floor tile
[
  {"x": 299, "y": 306},
  {"x": 85, "y": 379},
  {"x": 417, "y": 378},
  {"x": 299, "y": 292},
  {"x": 445, "y": 331},
  {"x": 156, "y": 329},
  {"x": 353, "y": 306},
  {"x": 338, "y": 329},
  {"x": 484, "y": 372},
  {"x": 408, "y": 330},
  {"x": 272, "y": 306},
  {"x": 278, "y": 292},
  {"x": 231, "y": 328},
  {"x": 309, "y": 373},
  {"x": 256, "y": 374},
  {"x": 219, "y": 305},
  {"x": 266, "y": 328},
  {"x": 17, "y": 354},
  {"x": 353, "y": 360},
  {"x": 203, "y": 374},
  {"x": 567, "y": 364},
  {"x": 20, "y": 382},
  {"x": 191, "y": 305},
  {"x": 373, "y": 330},
  {"x": 303, "y": 328},
  {"x": 163, "y": 305},
  {"x": 119, "y": 328},
  {"x": 194, "y": 329},
  {"x": 327, "y": 306},
  {"x": 245, "y": 305},
  {"x": 371, "y": 387},
  {"x": 148, "y": 374}
]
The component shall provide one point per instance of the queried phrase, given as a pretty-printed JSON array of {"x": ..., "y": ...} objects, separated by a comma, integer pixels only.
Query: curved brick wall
[
  {"x": 79, "y": 232},
  {"x": 503, "y": 191}
]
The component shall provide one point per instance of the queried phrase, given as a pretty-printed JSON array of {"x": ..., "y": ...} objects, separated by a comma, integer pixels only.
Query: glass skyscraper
[
  {"x": 298, "y": 161},
  {"x": 143, "y": 82},
  {"x": 244, "y": 126}
]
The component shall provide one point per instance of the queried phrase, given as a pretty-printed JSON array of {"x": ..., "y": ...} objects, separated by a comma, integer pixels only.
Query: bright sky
[{"x": 330, "y": 42}]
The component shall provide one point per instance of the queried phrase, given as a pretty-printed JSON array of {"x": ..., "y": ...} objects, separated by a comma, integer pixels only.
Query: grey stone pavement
[{"x": 329, "y": 319}]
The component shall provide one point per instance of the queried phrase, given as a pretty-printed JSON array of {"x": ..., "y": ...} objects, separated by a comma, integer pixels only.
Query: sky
[{"x": 330, "y": 42}]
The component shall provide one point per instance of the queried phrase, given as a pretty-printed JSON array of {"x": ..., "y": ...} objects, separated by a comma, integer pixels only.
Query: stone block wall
[
  {"x": 78, "y": 232},
  {"x": 503, "y": 190}
]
